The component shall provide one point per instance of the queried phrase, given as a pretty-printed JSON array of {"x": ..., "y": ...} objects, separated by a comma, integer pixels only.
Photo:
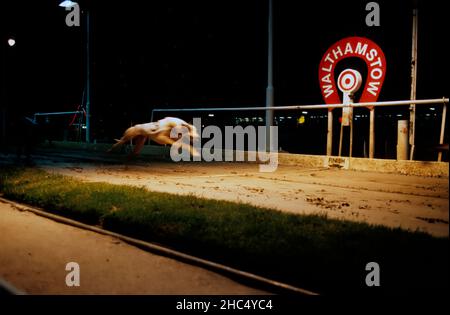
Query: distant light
[
  {"x": 432, "y": 108},
  {"x": 67, "y": 4},
  {"x": 11, "y": 42},
  {"x": 211, "y": 115},
  {"x": 399, "y": 115},
  {"x": 427, "y": 115},
  {"x": 289, "y": 117},
  {"x": 304, "y": 112}
]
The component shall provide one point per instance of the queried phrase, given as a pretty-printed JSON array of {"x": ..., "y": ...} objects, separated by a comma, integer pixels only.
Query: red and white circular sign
[
  {"x": 349, "y": 81},
  {"x": 359, "y": 47}
]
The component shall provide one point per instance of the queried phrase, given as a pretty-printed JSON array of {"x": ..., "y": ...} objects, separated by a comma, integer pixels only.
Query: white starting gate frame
[{"x": 48, "y": 114}]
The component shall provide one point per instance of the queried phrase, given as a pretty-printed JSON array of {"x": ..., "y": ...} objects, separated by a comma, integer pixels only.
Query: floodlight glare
[{"x": 67, "y": 4}]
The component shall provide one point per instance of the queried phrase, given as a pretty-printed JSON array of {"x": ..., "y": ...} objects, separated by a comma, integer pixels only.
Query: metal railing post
[
  {"x": 372, "y": 133},
  {"x": 441, "y": 137}
]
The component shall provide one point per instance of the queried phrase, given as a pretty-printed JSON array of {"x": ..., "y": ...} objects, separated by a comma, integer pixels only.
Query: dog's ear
[{"x": 188, "y": 126}]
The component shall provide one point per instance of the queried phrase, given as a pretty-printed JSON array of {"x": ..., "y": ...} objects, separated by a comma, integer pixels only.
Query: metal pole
[
  {"x": 4, "y": 112},
  {"x": 88, "y": 79},
  {"x": 372, "y": 134},
  {"x": 269, "y": 90},
  {"x": 330, "y": 133},
  {"x": 350, "y": 150},
  {"x": 3, "y": 124},
  {"x": 441, "y": 138},
  {"x": 412, "y": 108},
  {"x": 350, "y": 115},
  {"x": 4, "y": 101}
]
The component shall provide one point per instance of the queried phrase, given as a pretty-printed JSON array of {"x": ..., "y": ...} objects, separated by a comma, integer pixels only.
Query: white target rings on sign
[{"x": 349, "y": 81}]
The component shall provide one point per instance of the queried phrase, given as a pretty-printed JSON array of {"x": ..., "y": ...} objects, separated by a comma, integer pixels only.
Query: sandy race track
[
  {"x": 35, "y": 250},
  {"x": 410, "y": 202}
]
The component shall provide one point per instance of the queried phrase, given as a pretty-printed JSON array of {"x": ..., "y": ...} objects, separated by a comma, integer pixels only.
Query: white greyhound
[{"x": 159, "y": 132}]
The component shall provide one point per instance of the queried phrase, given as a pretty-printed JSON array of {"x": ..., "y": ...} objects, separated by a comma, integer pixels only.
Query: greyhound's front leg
[{"x": 139, "y": 144}]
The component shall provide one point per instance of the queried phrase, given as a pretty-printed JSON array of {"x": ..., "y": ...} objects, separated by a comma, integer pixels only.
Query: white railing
[
  {"x": 58, "y": 113},
  {"x": 371, "y": 105}
]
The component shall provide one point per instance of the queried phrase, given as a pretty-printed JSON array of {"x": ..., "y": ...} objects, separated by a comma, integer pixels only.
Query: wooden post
[
  {"x": 330, "y": 132},
  {"x": 402, "y": 140},
  {"x": 372, "y": 133},
  {"x": 441, "y": 138}
]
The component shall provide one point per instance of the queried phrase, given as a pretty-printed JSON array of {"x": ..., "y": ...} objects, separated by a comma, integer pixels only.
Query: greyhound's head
[{"x": 193, "y": 133}]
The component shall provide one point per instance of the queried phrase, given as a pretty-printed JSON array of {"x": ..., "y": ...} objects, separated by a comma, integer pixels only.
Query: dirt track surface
[
  {"x": 34, "y": 252},
  {"x": 394, "y": 200}
]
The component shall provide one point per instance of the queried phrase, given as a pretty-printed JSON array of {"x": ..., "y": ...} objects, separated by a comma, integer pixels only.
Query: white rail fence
[{"x": 370, "y": 105}]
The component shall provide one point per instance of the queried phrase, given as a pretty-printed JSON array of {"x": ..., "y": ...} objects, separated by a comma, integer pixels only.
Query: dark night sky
[{"x": 203, "y": 53}]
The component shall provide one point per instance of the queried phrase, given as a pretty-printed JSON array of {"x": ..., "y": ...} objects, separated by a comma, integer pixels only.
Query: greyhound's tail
[{"x": 129, "y": 134}]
